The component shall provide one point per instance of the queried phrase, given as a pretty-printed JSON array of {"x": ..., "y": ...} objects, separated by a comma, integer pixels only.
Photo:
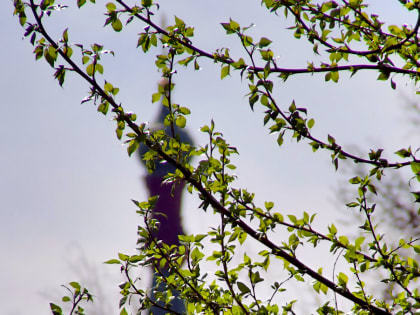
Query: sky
[{"x": 66, "y": 181}]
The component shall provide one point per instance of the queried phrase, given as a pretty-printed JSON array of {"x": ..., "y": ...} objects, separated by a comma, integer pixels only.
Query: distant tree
[
  {"x": 399, "y": 212},
  {"x": 348, "y": 39}
]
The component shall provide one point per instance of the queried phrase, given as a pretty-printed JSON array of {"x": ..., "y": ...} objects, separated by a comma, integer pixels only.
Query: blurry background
[{"x": 66, "y": 181}]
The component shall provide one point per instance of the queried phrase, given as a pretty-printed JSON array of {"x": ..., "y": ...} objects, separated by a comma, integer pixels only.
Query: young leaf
[
  {"x": 243, "y": 287},
  {"x": 225, "y": 71},
  {"x": 117, "y": 25},
  {"x": 181, "y": 121}
]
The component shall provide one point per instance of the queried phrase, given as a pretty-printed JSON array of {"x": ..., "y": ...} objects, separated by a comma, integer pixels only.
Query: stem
[
  {"x": 170, "y": 92},
  {"x": 222, "y": 242},
  {"x": 359, "y": 281},
  {"x": 389, "y": 266},
  {"x": 333, "y": 274}
]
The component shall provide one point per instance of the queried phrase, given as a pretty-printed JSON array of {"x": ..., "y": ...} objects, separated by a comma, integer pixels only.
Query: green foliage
[
  {"x": 77, "y": 294},
  {"x": 339, "y": 31}
]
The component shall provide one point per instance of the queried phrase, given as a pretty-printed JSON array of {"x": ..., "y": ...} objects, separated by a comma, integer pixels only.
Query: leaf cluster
[{"x": 332, "y": 27}]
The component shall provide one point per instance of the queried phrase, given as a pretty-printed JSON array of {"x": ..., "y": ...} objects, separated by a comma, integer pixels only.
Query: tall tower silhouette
[{"x": 168, "y": 204}]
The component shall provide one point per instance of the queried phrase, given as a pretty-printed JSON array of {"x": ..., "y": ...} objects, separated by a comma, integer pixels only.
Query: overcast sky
[{"x": 66, "y": 181}]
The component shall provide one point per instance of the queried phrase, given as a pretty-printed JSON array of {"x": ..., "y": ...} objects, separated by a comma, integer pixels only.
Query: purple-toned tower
[{"x": 169, "y": 202}]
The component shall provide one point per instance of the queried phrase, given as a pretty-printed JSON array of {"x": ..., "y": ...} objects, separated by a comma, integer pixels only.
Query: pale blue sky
[{"x": 66, "y": 181}]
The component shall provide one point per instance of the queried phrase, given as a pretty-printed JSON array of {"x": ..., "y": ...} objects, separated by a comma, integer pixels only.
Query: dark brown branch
[
  {"x": 276, "y": 69},
  {"x": 362, "y": 29},
  {"x": 188, "y": 176}
]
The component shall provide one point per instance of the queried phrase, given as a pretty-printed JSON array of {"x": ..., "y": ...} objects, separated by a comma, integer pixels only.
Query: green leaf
[
  {"x": 255, "y": 277},
  {"x": 80, "y": 3},
  {"x": 234, "y": 25},
  {"x": 269, "y": 205},
  {"x": 146, "y": 3},
  {"x": 50, "y": 55},
  {"x": 123, "y": 300},
  {"x": 416, "y": 248},
  {"x": 153, "y": 40},
  {"x": 227, "y": 27},
  {"x": 239, "y": 64},
  {"x": 264, "y": 42},
  {"x": 328, "y": 76},
  {"x": 342, "y": 279},
  {"x": 305, "y": 217},
  {"x": 123, "y": 257},
  {"x": 199, "y": 237},
  {"x": 112, "y": 261},
  {"x": 231, "y": 27},
  {"x": 372, "y": 189},
  {"x": 60, "y": 74},
  {"x": 184, "y": 110},
  {"x": 179, "y": 22},
  {"x": 404, "y": 153},
  {"x": 99, "y": 68},
  {"x": 416, "y": 195},
  {"x": 344, "y": 240},
  {"x": 65, "y": 35},
  {"x": 225, "y": 71},
  {"x": 253, "y": 99},
  {"x": 132, "y": 146},
  {"x": 55, "y": 309},
  {"x": 205, "y": 128},
  {"x": 247, "y": 40},
  {"x": 242, "y": 237},
  {"x": 108, "y": 87},
  {"x": 196, "y": 255},
  {"x": 292, "y": 107},
  {"x": 359, "y": 241},
  {"x": 65, "y": 299},
  {"x": 22, "y": 18},
  {"x": 156, "y": 97},
  {"x": 280, "y": 139},
  {"x": 103, "y": 108},
  {"x": 267, "y": 54},
  {"x": 243, "y": 287},
  {"x": 117, "y": 25},
  {"x": 136, "y": 258},
  {"x": 415, "y": 167},
  {"x": 111, "y": 6},
  {"x": 292, "y": 218},
  {"x": 278, "y": 217},
  {"x": 181, "y": 121},
  {"x": 324, "y": 288},
  {"x": 68, "y": 51},
  {"x": 383, "y": 76},
  {"x": 355, "y": 180},
  {"x": 75, "y": 285},
  {"x": 352, "y": 204},
  {"x": 311, "y": 123},
  {"x": 333, "y": 229},
  {"x": 90, "y": 70}
]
